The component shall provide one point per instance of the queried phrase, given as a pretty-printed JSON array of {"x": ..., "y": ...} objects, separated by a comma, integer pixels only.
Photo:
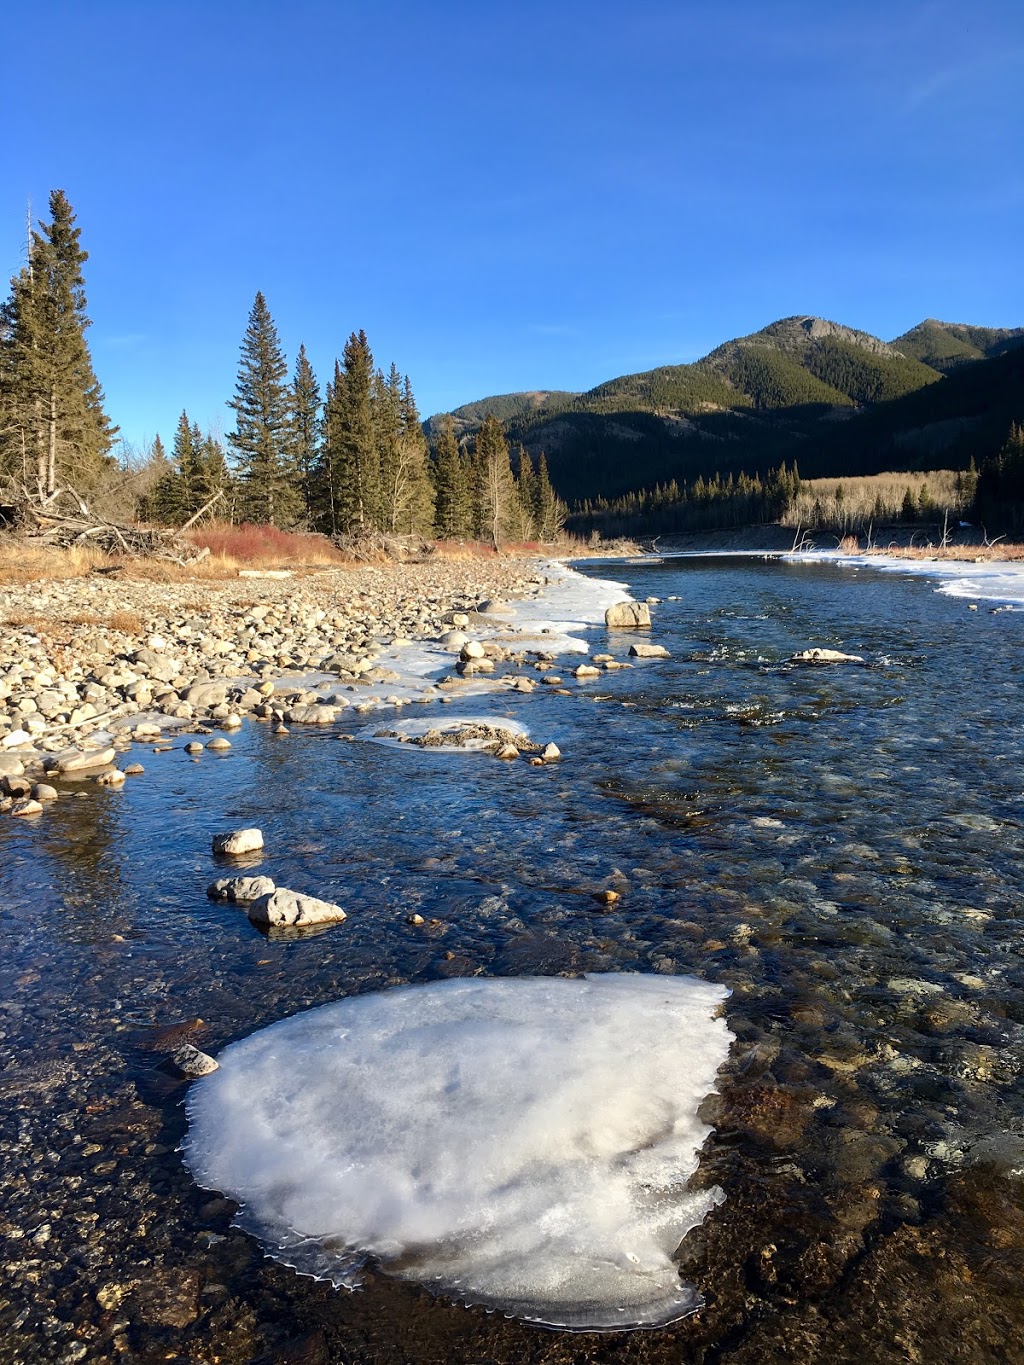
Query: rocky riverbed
[{"x": 88, "y": 665}]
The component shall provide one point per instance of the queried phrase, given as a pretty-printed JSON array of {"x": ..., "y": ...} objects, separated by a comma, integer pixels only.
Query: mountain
[
  {"x": 503, "y": 406},
  {"x": 945, "y": 345},
  {"x": 835, "y": 399}
]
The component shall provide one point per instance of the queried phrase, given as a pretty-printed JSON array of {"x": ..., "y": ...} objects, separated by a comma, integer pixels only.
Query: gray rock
[
  {"x": 586, "y": 671},
  {"x": 284, "y": 907},
  {"x": 237, "y": 841},
  {"x": 239, "y": 889},
  {"x": 26, "y": 806},
  {"x": 206, "y": 694},
  {"x": 628, "y": 616},
  {"x": 649, "y": 652},
  {"x": 42, "y": 792},
  {"x": 472, "y": 649},
  {"x": 11, "y": 765},
  {"x": 79, "y": 760},
  {"x": 189, "y": 1061}
]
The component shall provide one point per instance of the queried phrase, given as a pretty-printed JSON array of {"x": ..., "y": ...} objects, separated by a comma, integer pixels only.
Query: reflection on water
[{"x": 841, "y": 847}]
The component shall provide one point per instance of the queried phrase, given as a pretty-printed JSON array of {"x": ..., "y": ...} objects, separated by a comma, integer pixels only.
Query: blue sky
[{"x": 511, "y": 196}]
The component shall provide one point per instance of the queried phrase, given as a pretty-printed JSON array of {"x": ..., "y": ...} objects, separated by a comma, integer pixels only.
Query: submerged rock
[
  {"x": 824, "y": 656},
  {"x": 240, "y": 889}
]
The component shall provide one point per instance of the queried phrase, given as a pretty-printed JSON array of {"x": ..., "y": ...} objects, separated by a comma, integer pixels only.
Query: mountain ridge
[{"x": 801, "y": 388}]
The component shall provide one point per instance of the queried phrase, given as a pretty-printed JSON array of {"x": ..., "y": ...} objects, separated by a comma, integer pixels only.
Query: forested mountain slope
[{"x": 834, "y": 399}]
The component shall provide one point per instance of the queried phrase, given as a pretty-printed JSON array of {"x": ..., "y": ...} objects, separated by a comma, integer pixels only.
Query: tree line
[{"x": 349, "y": 460}]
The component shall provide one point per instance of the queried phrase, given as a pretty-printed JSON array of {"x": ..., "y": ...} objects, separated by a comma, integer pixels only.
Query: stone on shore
[
  {"x": 235, "y": 842},
  {"x": 14, "y": 738},
  {"x": 642, "y": 651},
  {"x": 11, "y": 765},
  {"x": 206, "y": 694},
  {"x": 284, "y": 907},
  {"x": 628, "y": 616},
  {"x": 472, "y": 649},
  {"x": 240, "y": 889},
  {"x": 79, "y": 760}
]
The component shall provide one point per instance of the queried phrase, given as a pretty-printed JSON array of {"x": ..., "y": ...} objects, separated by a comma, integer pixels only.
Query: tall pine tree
[
  {"x": 550, "y": 509},
  {"x": 304, "y": 434},
  {"x": 351, "y": 463},
  {"x": 52, "y": 424},
  {"x": 526, "y": 487},
  {"x": 453, "y": 518},
  {"x": 261, "y": 439}
]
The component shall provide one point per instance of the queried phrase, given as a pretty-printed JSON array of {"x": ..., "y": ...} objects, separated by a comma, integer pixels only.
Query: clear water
[{"x": 841, "y": 847}]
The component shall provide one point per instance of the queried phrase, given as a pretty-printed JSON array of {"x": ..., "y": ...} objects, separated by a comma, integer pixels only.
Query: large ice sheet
[{"x": 520, "y": 1143}]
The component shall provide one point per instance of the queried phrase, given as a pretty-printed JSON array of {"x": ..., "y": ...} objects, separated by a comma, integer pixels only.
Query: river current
[{"x": 841, "y": 847}]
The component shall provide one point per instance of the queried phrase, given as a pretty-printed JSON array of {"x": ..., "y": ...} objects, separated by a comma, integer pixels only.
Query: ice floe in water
[{"x": 524, "y": 1143}]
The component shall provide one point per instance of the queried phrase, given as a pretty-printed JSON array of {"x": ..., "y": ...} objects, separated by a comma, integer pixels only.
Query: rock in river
[
  {"x": 284, "y": 907},
  {"x": 238, "y": 841},
  {"x": 236, "y": 889},
  {"x": 627, "y": 616},
  {"x": 824, "y": 656},
  {"x": 649, "y": 652}
]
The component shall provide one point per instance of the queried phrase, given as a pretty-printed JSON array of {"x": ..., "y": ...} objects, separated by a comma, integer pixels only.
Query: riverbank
[
  {"x": 911, "y": 543},
  {"x": 89, "y": 659},
  {"x": 94, "y": 664}
]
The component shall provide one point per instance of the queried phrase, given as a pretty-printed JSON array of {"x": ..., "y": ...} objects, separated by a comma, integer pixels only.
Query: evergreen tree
[
  {"x": 52, "y": 423},
  {"x": 351, "y": 455},
  {"x": 305, "y": 430},
  {"x": 387, "y": 423},
  {"x": 551, "y": 511},
  {"x": 526, "y": 487},
  {"x": 453, "y": 519},
  {"x": 417, "y": 515},
  {"x": 262, "y": 425},
  {"x": 499, "y": 501},
  {"x": 198, "y": 472}
]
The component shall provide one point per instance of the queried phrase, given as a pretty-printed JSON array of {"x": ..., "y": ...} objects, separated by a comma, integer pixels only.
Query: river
[{"x": 841, "y": 848}]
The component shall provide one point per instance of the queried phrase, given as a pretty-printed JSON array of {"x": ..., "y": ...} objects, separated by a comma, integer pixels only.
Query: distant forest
[{"x": 681, "y": 447}]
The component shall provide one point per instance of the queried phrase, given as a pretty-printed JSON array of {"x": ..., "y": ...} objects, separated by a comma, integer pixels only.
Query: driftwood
[
  {"x": 367, "y": 546},
  {"x": 64, "y": 519}
]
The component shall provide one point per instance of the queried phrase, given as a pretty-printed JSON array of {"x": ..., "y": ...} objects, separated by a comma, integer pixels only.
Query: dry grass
[
  {"x": 999, "y": 553},
  {"x": 127, "y": 621},
  {"x": 22, "y": 562},
  {"x": 266, "y": 546},
  {"x": 231, "y": 548}
]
